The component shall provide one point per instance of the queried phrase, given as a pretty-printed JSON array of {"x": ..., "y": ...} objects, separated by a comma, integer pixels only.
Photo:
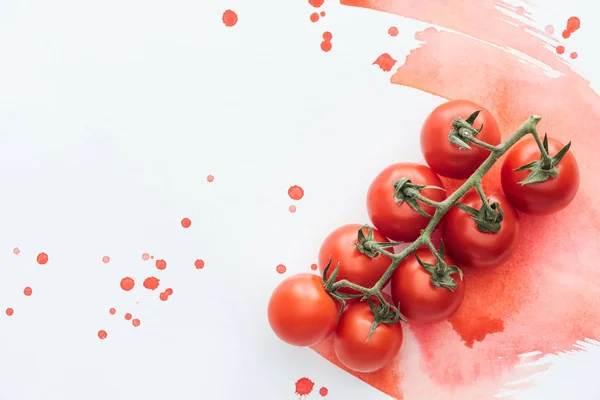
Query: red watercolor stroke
[{"x": 512, "y": 309}]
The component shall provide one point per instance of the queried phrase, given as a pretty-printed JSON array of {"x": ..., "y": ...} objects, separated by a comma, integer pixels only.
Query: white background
[{"x": 113, "y": 113}]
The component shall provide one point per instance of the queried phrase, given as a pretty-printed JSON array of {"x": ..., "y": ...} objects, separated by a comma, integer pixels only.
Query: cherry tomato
[
  {"x": 301, "y": 312},
  {"x": 419, "y": 300},
  {"x": 448, "y": 159},
  {"x": 354, "y": 266},
  {"x": 352, "y": 347},
  {"x": 545, "y": 197},
  {"x": 400, "y": 222},
  {"x": 470, "y": 246}
]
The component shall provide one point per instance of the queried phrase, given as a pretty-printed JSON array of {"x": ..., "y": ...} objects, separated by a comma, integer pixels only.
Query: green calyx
[
  {"x": 488, "y": 219},
  {"x": 441, "y": 272},
  {"x": 383, "y": 314},
  {"x": 367, "y": 245},
  {"x": 463, "y": 129},
  {"x": 406, "y": 191},
  {"x": 545, "y": 167},
  {"x": 328, "y": 284}
]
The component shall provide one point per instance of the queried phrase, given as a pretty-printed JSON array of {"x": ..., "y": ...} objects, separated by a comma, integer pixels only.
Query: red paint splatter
[
  {"x": 314, "y": 267},
  {"x": 314, "y": 17},
  {"x": 27, "y": 291},
  {"x": 186, "y": 222},
  {"x": 128, "y": 316},
  {"x": 151, "y": 283},
  {"x": 163, "y": 296},
  {"x": 322, "y": 13},
  {"x": 316, "y": 3},
  {"x": 573, "y": 24},
  {"x": 42, "y": 258},
  {"x": 292, "y": 208},
  {"x": 393, "y": 31},
  {"x": 136, "y": 322},
  {"x": 102, "y": 334},
  {"x": 161, "y": 264},
  {"x": 152, "y": 257},
  {"x": 168, "y": 291},
  {"x": 472, "y": 331},
  {"x": 16, "y": 250},
  {"x": 323, "y": 391},
  {"x": 210, "y": 178},
  {"x": 560, "y": 49},
  {"x": 385, "y": 62},
  {"x": 199, "y": 264},
  {"x": 573, "y": 55},
  {"x": 230, "y": 18},
  {"x": 112, "y": 311},
  {"x": 106, "y": 259},
  {"x": 281, "y": 269},
  {"x": 10, "y": 312},
  {"x": 327, "y": 36},
  {"x": 549, "y": 29},
  {"x": 566, "y": 34},
  {"x": 145, "y": 256},
  {"x": 304, "y": 386},
  {"x": 296, "y": 192},
  {"x": 326, "y": 47},
  {"x": 127, "y": 284}
]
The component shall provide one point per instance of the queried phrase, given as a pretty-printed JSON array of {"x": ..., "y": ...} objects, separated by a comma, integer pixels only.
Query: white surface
[{"x": 113, "y": 113}]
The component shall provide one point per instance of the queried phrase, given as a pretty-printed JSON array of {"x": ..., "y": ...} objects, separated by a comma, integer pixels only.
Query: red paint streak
[
  {"x": 199, "y": 264},
  {"x": 393, "y": 31},
  {"x": 27, "y": 291},
  {"x": 161, "y": 264},
  {"x": 127, "y": 284},
  {"x": 292, "y": 209},
  {"x": 549, "y": 29},
  {"x": 106, "y": 259},
  {"x": 314, "y": 17},
  {"x": 573, "y": 55},
  {"x": 573, "y": 24},
  {"x": 327, "y": 36},
  {"x": 112, "y": 311},
  {"x": 136, "y": 322},
  {"x": 102, "y": 334},
  {"x": 314, "y": 267},
  {"x": 385, "y": 62},
  {"x": 210, "y": 178},
  {"x": 323, "y": 391},
  {"x": 186, "y": 222},
  {"x": 296, "y": 192},
  {"x": 560, "y": 49},
  {"x": 566, "y": 34},
  {"x": 151, "y": 283},
  {"x": 281, "y": 269},
  {"x": 16, "y": 250},
  {"x": 230, "y": 18},
  {"x": 10, "y": 312},
  {"x": 316, "y": 3},
  {"x": 168, "y": 291},
  {"x": 322, "y": 13},
  {"x": 128, "y": 316},
  {"x": 304, "y": 386},
  {"x": 42, "y": 258},
  {"x": 145, "y": 256}
]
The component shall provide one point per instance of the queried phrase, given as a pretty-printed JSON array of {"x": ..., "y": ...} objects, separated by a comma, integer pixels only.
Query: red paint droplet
[
  {"x": 314, "y": 17},
  {"x": 42, "y": 258},
  {"x": 323, "y": 391},
  {"x": 574, "y": 55},
  {"x": 106, "y": 259},
  {"x": 573, "y": 24},
  {"x": 199, "y": 264},
  {"x": 27, "y": 291},
  {"x": 316, "y": 3},
  {"x": 326, "y": 47},
  {"x": 186, "y": 222},
  {"x": 385, "y": 62},
  {"x": 314, "y": 267},
  {"x": 549, "y": 29},
  {"x": 112, "y": 311},
  {"x": 520, "y": 10},
  {"x": 151, "y": 283},
  {"x": 128, "y": 316},
  {"x": 163, "y": 296},
  {"x": 327, "y": 36},
  {"x": 296, "y": 192},
  {"x": 393, "y": 31},
  {"x": 304, "y": 386},
  {"x": 102, "y": 334},
  {"x": 127, "y": 284},
  {"x": 230, "y": 18},
  {"x": 152, "y": 257},
  {"x": 566, "y": 34},
  {"x": 135, "y": 322},
  {"x": 560, "y": 49},
  {"x": 161, "y": 264},
  {"x": 168, "y": 291},
  {"x": 210, "y": 178},
  {"x": 281, "y": 269},
  {"x": 322, "y": 13},
  {"x": 16, "y": 250},
  {"x": 145, "y": 256},
  {"x": 10, "y": 312},
  {"x": 292, "y": 209}
]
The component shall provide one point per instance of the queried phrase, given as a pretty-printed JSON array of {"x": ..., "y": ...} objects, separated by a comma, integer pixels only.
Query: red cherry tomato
[
  {"x": 540, "y": 198},
  {"x": 419, "y": 300},
  {"x": 400, "y": 222},
  {"x": 446, "y": 158},
  {"x": 352, "y": 347},
  {"x": 468, "y": 245},
  {"x": 301, "y": 312}
]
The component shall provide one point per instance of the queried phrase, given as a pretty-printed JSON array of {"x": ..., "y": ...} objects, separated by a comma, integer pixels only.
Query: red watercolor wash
[
  {"x": 145, "y": 256},
  {"x": 163, "y": 296},
  {"x": 573, "y": 55},
  {"x": 210, "y": 178},
  {"x": 151, "y": 283},
  {"x": 385, "y": 62},
  {"x": 549, "y": 29},
  {"x": 323, "y": 391},
  {"x": 314, "y": 267},
  {"x": 327, "y": 36},
  {"x": 472, "y": 331},
  {"x": 102, "y": 334},
  {"x": 135, "y": 322},
  {"x": 42, "y": 258},
  {"x": 230, "y": 18},
  {"x": 161, "y": 264},
  {"x": 112, "y": 311},
  {"x": 314, "y": 17},
  {"x": 168, "y": 291},
  {"x": 296, "y": 192},
  {"x": 566, "y": 34},
  {"x": 281, "y": 269},
  {"x": 292, "y": 208},
  {"x": 393, "y": 31},
  {"x": 316, "y": 3},
  {"x": 27, "y": 291},
  {"x": 106, "y": 259},
  {"x": 322, "y": 13},
  {"x": 199, "y": 264},
  {"x": 573, "y": 24},
  {"x": 16, "y": 250},
  {"x": 10, "y": 312},
  {"x": 304, "y": 386},
  {"x": 128, "y": 316},
  {"x": 127, "y": 284},
  {"x": 186, "y": 222},
  {"x": 560, "y": 49}
]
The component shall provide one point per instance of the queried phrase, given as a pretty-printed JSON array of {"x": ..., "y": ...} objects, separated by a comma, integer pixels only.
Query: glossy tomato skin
[
  {"x": 352, "y": 347},
  {"x": 401, "y": 222},
  {"x": 419, "y": 300},
  {"x": 545, "y": 197},
  {"x": 354, "y": 266},
  {"x": 301, "y": 312},
  {"x": 447, "y": 159},
  {"x": 469, "y": 246}
]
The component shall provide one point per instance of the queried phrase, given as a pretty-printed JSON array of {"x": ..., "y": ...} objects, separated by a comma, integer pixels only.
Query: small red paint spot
[
  {"x": 314, "y": 17},
  {"x": 151, "y": 283},
  {"x": 230, "y": 18},
  {"x": 281, "y": 269},
  {"x": 322, "y": 13},
  {"x": 316, "y": 3},
  {"x": 128, "y": 316},
  {"x": 199, "y": 264},
  {"x": 127, "y": 284},
  {"x": 163, "y": 296},
  {"x": 573, "y": 55},
  {"x": 323, "y": 391},
  {"x": 566, "y": 34},
  {"x": 27, "y": 291},
  {"x": 10, "y": 312},
  {"x": 186, "y": 222},
  {"x": 560, "y": 49},
  {"x": 327, "y": 36},
  {"x": 385, "y": 62},
  {"x": 106, "y": 259},
  {"x": 326, "y": 46},
  {"x": 168, "y": 291},
  {"x": 152, "y": 257},
  {"x": 102, "y": 334},
  {"x": 135, "y": 322},
  {"x": 549, "y": 29},
  {"x": 210, "y": 178},
  {"x": 16, "y": 250},
  {"x": 573, "y": 24},
  {"x": 314, "y": 267},
  {"x": 112, "y": 311},
  {"x": 520, "y": 10},
  {"x": 296, "y": 192},
  {"x": 304, "y": 386},
  {"x": 145, "y": 256},
  {"x": 161, "y": 264},
  {"x": 393, "y": 31},
  {"x": 42, "y": 258},
  {"x": 292, "y": 209}
]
